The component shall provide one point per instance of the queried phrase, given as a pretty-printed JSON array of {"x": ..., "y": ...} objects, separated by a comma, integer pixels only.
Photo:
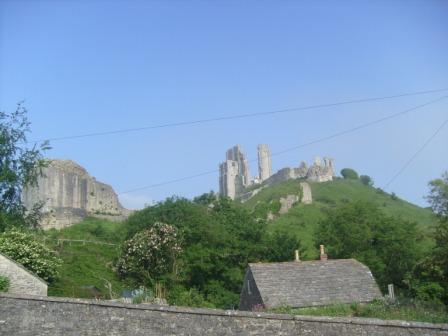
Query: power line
[
  {"x": 237, "y": 116},
  {"x": 326, "y": 138},
  {"x": 414, "y": 156}
]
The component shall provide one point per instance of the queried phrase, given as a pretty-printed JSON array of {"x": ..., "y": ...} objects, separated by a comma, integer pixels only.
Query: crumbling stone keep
[
  {"x": 69, "y": 194},
  {"x": 264, "y": 162},
  {"x": 234, "y": 175}
]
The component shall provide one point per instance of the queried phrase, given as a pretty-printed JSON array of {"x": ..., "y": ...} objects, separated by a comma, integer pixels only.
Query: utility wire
[
  {"x": 236, "y": 116},
  {"x": 414, "y": 156},
  {"x": 326, "y": 138}
]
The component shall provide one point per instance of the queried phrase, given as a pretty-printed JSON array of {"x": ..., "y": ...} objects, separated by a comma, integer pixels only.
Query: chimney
[
  {"x": 296, "y": 255},
  {"x": 323, "y": 255}
]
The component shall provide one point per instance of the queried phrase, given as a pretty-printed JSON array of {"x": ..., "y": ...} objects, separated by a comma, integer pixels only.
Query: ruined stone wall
[
  {"x": 26, "y": 316},
  {"x": 21, "y": 280},
  {"x": 236, "y": 154},
  {"x": 69, "y": 194},
  {"x": 264, "y": 162}
]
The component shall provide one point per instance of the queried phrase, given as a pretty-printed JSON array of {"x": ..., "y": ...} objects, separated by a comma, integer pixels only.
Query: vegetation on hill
[
  {"x": 208, "y": 242},
  {"x": 89, "y": 251},
  {"x": 302, "y": 219}
]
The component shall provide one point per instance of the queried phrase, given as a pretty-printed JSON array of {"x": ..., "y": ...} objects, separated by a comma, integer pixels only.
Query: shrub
[
  {"x": 24, "y": 249},
  {"x": 366, "y": 180},
  {"x": 349, "y": 174},
  {"x": 4, "y": 283},
  {"x": 149, "y": 253}
]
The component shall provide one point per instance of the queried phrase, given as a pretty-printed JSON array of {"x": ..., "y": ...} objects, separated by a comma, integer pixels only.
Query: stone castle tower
[
  {"x": 264, "y": 162},
  {"x": 234, "y": 173},
  {"x": 234, "y": 176}
]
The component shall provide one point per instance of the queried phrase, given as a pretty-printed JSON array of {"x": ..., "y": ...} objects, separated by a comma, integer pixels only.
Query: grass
[
  {"x": 402, "y": 309},
  {"x": 86, "y": 264},
  {"x": 302, "y": 219}
]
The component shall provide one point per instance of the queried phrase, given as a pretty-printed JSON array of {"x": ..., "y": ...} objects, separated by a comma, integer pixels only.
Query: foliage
[
  {"x": 350, "y": 174},
  {"x": 360, "y": 230},
  {"x": 302, "y": 220},
  {"x": 401, "y": 309},
  {"x": 19, "y": 166},
  {"x": 366, "y": 180},
  {"x": 23, "y": 248},
  {"x": 88, "y": 263},
  {"x": 438, "y": 196},
  {"x": 149, "y": 253},
  {"x": 219, "y": 238},
  {"x": 281, "y": 246},
  {"x": 4, "y": 283},
  {"x": 430, "y": 278}
]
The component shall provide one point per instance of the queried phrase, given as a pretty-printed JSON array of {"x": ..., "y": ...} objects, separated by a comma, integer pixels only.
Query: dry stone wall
[
  {"x": 26, "y": 316},
  {"x": 21, "y": 280},
  {"x": 69, "y": 194}
]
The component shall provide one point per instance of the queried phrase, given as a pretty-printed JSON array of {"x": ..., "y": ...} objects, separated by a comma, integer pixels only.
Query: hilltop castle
[{"x": 234, "y": 175}]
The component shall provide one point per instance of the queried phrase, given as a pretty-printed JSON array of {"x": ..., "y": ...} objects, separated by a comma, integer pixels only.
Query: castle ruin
[
  {"x": 69, "y": 194},
  {"x": 234, "y": 175}
]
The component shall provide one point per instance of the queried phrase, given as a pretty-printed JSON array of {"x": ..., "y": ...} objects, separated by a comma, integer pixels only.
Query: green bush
[
  {"x": 4, "y": 283},
  {"x": 366, "y": 180},
  {"x": 23, "y": 248},
  {"x": 349, "y": 174}
]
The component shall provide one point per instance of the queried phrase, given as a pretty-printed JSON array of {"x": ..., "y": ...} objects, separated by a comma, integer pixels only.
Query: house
[
  {"x": 307, "y": 283},
  {"x": 21, "y": 280}
]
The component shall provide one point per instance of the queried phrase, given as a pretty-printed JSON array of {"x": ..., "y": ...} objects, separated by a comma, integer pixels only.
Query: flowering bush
[
  {"x": 24, "y": 249},
  {"x": 150, "y": 253}
]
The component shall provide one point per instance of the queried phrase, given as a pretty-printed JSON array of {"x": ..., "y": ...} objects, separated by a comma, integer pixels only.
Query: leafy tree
[
  {"x": 150, "y": 253},
  {"x": 360, "y": 230},
  {"x": 23, "y": 248},
  {"x": 219, "y": 237},
  {"x": 429, "y": 279},
  {"x": 349, "y": 174},
  {"x": 280, "y": 246},
  {"x": 20, "y": 166},
  {"x": 366, "y": 180}
]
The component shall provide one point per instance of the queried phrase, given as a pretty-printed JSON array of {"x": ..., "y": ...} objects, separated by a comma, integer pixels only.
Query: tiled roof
[{"x": 314, "y": 283}]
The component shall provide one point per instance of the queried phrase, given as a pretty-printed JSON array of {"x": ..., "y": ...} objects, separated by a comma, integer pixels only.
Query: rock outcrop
[{"x": 69, "y": 194}]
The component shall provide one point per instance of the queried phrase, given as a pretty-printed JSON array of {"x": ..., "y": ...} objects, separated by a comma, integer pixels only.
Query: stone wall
[
  {"x": 26, "y": 316},
  {"x": 21, "y": 280},
  {"x": 69, "y": 194}
]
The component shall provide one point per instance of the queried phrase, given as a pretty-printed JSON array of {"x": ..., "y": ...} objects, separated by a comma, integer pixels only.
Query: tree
[
  {"x": 366, "y": 180},
  {"x": 20, "y": 166},
  {"x": 360, "y": 230},
  {"x": 24, "y": 249},
  {"x": 150, "y": 253},
  {"x": 219, "y": 237},
  {"x": 430, "y": 278},
  {"x": 349, "y": 174}
]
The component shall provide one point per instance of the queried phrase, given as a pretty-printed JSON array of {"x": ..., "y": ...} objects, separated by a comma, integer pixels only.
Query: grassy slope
[
  {"x": 86, "y": 264},
  {"x": 302, "y": 219}
]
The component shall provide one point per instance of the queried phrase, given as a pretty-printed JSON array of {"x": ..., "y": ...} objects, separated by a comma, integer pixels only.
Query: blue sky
[{"x": 91, "y": 66}]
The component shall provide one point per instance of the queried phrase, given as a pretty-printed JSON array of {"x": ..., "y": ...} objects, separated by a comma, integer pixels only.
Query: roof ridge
[{"x": 303, "y": 261}]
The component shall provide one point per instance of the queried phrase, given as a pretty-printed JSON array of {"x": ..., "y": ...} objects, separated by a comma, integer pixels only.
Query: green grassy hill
[
  {"x": 88, "y": 262},
  {"x": 302, "y": 219}
]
